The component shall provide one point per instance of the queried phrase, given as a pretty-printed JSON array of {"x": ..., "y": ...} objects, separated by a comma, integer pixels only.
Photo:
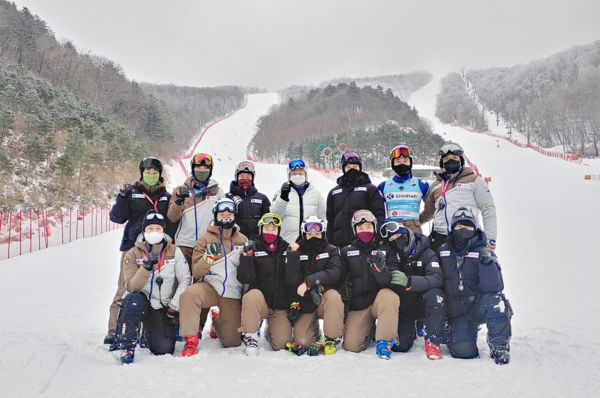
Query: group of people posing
[{"x": 359, "y": 261}]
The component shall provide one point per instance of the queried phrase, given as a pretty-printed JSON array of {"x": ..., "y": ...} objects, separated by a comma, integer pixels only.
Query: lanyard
[
  {"x": 444, "y": 187},
  {"x": 155, "y": 203}
]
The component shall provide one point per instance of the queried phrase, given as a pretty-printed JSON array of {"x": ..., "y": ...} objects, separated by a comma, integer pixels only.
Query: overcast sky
[{"x": 276, "y": 43}]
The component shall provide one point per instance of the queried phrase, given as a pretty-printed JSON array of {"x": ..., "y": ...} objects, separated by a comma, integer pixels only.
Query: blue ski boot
[
  {"x": 384, "y": 349},
  {"x": 127, "y": 356}
]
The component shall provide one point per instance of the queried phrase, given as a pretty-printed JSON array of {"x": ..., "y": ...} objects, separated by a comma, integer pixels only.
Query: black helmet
[{"x": 150, "y": 163}]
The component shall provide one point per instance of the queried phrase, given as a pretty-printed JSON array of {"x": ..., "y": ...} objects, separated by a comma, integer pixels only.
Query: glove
[
  {"x": 171, "y": 313},
  {"x": 316, "y": 293},
  {"x": 125, "y": 190},
  {"x": 378, "y": 264},
  {"x": 213, "y": 251},
  {"x": 294, "y": 312},
  {"x": 399, "y": 278},
  {"x": 295, "y": 348},
  {"x": 248, "y": 249},
  {"x": 286, "y": 188},
  {"x": 488, "y": 257},
  {"x": 237, "y": 200},
  {"x": 150, "y": 262},
  {"x": 492, "y": 244},
  {"x": 314, "y": 349},
  {"x": 180, "y": 194}
]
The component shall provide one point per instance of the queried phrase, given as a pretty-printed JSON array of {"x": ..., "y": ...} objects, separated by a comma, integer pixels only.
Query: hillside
[{"x": 455, "y": 105}]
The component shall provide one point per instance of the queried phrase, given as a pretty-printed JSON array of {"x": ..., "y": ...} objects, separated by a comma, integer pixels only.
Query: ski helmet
[
  {"x": 245, "y": 167},
  {"x": 151, "y": 163},
  {"x": 222, "y": 205},
  {"x": 401, "y": 151},
  {"x": 363, "y": 216},
  {"x": 313, "y": 223},
  {"x": 392, "y": 227},
  {"x": 451, "y": 148},
  {"x": 350, "y": 158},
  {"x": 202, "y": 159},
  {"x": 269, "y": 218}
]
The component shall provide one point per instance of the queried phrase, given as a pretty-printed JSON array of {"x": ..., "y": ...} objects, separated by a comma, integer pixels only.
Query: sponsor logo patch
[
  {"x": 260, "y": 254},
  {"x": 460, "y": 185},
  {"x": 139, "y": 260},
  {"x": 445, "y": 253},
  {"x": 472, "y": 255},
  {"x": 353, "y": 253},
  {"x": 238, "y": 247},
  {"x": 413, "y": 183},
  {"x": 163, "y": 199},
  {"x": 435, "y": 264},
  {"x": 323, "y": 255},
  {"x": 303, "y": 257},
  {"x": 138, "y": 196},
  {"x": 361, "y": 189},
  {"x": 402, "y": 195},
  {"x": 256, "y": 201},
  {"x": 419, "y": 263},
  {"x": 336, "y": 191}
]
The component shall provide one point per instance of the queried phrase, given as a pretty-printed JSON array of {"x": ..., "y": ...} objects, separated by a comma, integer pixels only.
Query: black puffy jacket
[
  {"x": 265, "y": 271},
  {"x": 250, "y": 211},
  {"x": 477, "y": 278},
  {"x": 344, "y": 200},
  {"x": 133, "y": 209},
  {"x": 364, "y": 282},
  {"x": 321, "y": 266}
]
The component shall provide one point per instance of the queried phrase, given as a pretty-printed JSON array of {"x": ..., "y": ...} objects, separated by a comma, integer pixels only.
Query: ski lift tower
[{"x": 574, "y": 118}]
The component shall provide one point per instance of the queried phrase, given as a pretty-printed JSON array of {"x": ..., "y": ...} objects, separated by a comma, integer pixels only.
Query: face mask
[
  {"x": 312, "y": 243},
  {"x": 402, "y": 169},
  {"x": 352, "y": 175},
  {"x": 401, "y": 242},
  {"x": 298, "y": 180},
  {"x": 461, "y": 237},
  {"x": 245, "y": 183},
  {"x": 366, "y": 237},
  {"x": 154, "y": 237},
  {"x": 151, "y": 179},
  {"x": 226, "y": 223},
  {"x": 452, "y": 166},
  {"x": 269, "y": 238},
  {"x": 201, "y": 175}
]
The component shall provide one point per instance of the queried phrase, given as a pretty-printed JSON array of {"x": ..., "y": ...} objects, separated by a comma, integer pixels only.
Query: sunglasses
[
  {"x": 154, "y": 215},
  {"x": 392, "y": 227},
  {"x": 202, "y": 158},
  {"x": 312, "y": 226},
  {"x": 400, "y": 151},
  {"x": 295, "y": 164}
]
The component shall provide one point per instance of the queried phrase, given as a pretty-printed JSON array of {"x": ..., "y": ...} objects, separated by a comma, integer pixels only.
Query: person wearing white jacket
[
  {"x": 296, "y": 201},
  {"x": 150, "y": 270}
]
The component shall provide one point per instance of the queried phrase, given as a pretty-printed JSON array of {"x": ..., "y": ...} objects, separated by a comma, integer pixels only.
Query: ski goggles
[
  {"x": 151, "y": 163},
  {"x": 312, "y": 226},
  {"x": 154, "y": 215},
  {"x": 245, "y": 166},
  {"x": 451, "y": 149},
  {"x": 270, "y": 218},
  {"x": 400, "y": 151},
  {"x": 202, "y": 158},
  {"x": 391, "y": 228},
  {"x": 362, "y": 216},
  {"x": 226, "y": 206},
  {"x": 351, "y": 157},
  {"x": 297, "y": 164}
]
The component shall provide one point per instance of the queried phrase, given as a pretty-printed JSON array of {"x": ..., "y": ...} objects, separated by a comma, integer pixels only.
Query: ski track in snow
[{"x": 548, "y": 219}]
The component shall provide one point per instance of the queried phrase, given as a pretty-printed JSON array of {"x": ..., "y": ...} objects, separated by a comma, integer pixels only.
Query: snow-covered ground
[{"x": 57, "y": 300}]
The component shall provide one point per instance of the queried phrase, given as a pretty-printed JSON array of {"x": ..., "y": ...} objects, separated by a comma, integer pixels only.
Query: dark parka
[
  {"x": 133, "y": 209},
  {"x": 421, "y": 265},
  {"x": 346, "y": 199},
  {"x": 364, "y": 282},
  {"x": 477, "y": 278},
  {"x": 322, "y": 266},
  {"x": 250, "y": 211},
  {"x": 265, "y": 271}
]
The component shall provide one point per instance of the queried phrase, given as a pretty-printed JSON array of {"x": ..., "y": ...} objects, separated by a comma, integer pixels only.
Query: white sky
[{"x": 276, "y": 43}]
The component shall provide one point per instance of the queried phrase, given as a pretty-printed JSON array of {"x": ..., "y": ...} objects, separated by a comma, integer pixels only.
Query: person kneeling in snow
[
  {"x": 418, "y": 281},
  {"x": 262, "y": 267},
  {"x": 369, "y": 268},
  {"x": 150, "y": 270},
  {"x": 215, "y": 262},
  {"x": 473, "y": 285},
  {"x": 314, "y": 272}
]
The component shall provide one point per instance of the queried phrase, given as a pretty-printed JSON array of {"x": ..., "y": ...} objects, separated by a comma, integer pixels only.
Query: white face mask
[
  {"x": 154, "y": 237},
  {"x": 298, "y": 179}
]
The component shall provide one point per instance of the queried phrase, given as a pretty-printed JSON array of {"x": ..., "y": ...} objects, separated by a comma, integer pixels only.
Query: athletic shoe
[
  {"x": 250, "y": 339},
  {"x": 191, "y": 346},
  {"x": 384, "y": 349},
  {"x": 330, "y": 346},
  {"x": 432, "y": 350}
]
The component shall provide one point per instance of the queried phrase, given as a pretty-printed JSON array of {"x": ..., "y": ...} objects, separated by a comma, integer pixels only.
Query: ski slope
[{"x": 57, "y": 300}]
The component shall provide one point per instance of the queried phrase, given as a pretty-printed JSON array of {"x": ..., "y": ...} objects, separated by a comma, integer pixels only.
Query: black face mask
[
  {"x": 402, "y": 169},
  {"x": 401, "y": 242},
  {"x": 352, "y": 175},
  {"x": 461, "y": 237},
  {"x": 452, "y": 166},
  {"x": 312, "y": 244},
  {"x": 225, "y": 225}
]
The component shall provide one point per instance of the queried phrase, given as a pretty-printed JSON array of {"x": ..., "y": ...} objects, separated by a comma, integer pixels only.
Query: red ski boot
[
  {"x": 191, "y": 346},
  {"x": 432, "y": 350},
  {"x": 213, "y": 315}
]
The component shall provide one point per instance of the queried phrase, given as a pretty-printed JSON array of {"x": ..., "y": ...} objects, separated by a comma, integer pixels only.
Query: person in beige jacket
[{"x": 215, "y": 261}]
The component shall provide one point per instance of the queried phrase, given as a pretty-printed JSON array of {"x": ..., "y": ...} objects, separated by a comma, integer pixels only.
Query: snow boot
[
  {"x": 384, "y": 349},
  {"x": 501, "y": 354},
  {"x": 330, "y": 346},
  {"x": 250, "y": 339},
  {"x": 127, "y": 356},
  {"x": 191, "y": 346},
  {"x": 110, "y": 338},
  {"x": 432, "y": 350}
]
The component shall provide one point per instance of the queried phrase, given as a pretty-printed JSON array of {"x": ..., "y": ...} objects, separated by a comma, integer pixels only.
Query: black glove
[
  {"x": 316, "y": 293},
  {"x": 125, "y": 190},
  {"x": 378, "y": 264},
  {"x": 295, "y": 348},
  {"x": 171, "y": 313},
  {"x": 488, "y": 257},
  {"x": 151, "y": 262},
  {"x": 180, "y": 194},
  {"x": 248, "y": 247},
  {"x": 314, "y": 349},
  {"x": 286, "y": 188},
  {"x": 294, "y": 312}
]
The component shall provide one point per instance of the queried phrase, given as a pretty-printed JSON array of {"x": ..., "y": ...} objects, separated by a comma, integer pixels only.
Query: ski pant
[
  {"x": 331, "y": 310},
  {"x": 188, "y": 252},
  {"x": 435, "y": 317},
  {"x": 436, "y": 240},
  {"x": 201, "y": 295},
  {"x": 413, "y": 225},
  {"x": 360, "y": 327},
  {"x": 488, "y": 309},
  {"x": 118, "y": 299},
  {"x": 159, "y": 329}
]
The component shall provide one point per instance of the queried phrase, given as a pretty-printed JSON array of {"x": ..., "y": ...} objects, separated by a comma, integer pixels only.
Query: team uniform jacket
[
  {"x": 344, "y": 200},
  {"x": 265, "y": 271},
  {"x": 477, "y": 278},
  {"x": 174, "y": 268},
  {"x": 222, "y": 273},
  {"x": 297, "y": 209},
  {"x": 135, "y": 207},
  {"x": 250, "y": 211},
  {"x": 322, "y": 267},
  {"x": 195, "y": 213},
  {"x": 464, "y": 189},
  {"x": 364, "y": 282}
]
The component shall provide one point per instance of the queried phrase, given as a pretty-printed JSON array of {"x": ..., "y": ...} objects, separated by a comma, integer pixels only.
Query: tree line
[{"x": 455, "y": 105}]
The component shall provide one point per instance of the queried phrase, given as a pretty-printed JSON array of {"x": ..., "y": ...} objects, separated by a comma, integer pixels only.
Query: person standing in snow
[
  {"x": 132, "y": 203},
  {"x": 403, "y": 193},
  {"x": 252, "y": 205},
  {"x": 215, "y": 264},
  {"x": 457, "y": 186},
  {"x": 150, "y": 270},
  {"x": 473, "y": 287},
  {"x": 297, "y": 200}
]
